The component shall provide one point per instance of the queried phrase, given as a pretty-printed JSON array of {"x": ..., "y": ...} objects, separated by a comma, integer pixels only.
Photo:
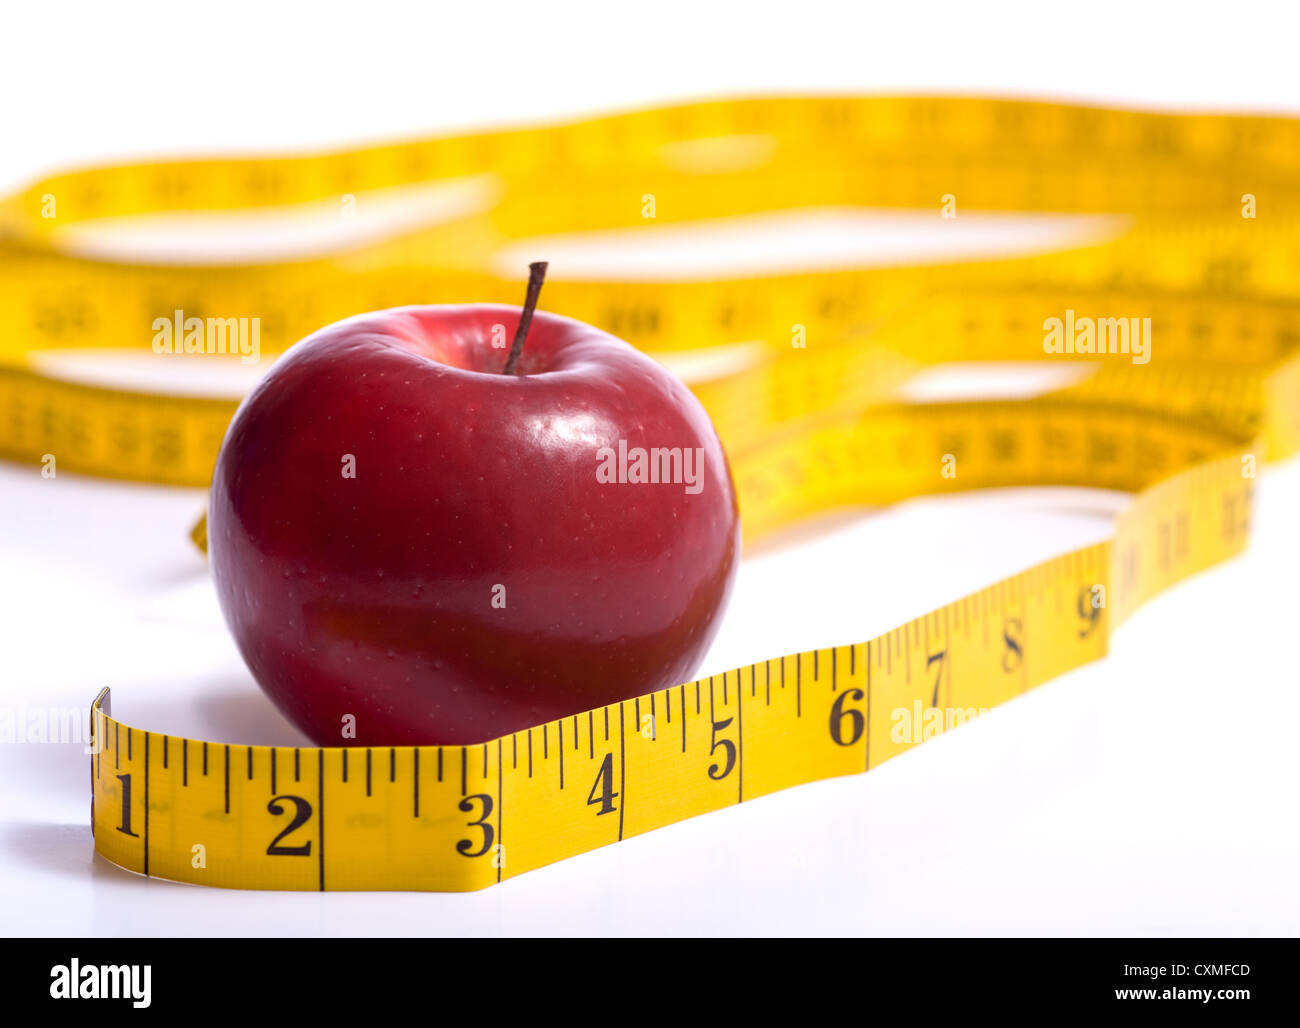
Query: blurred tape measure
[{"x": 1212, "y": 257}]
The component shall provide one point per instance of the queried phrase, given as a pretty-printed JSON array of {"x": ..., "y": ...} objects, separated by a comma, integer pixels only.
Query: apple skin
[{"x": 372, "y": 596}]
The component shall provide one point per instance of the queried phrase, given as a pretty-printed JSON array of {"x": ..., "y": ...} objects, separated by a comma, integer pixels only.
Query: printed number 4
[{"x": 604, "y": 785}]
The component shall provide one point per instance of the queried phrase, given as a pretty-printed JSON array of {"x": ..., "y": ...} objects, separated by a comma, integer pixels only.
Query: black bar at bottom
[{"x": 335, "y": 977}]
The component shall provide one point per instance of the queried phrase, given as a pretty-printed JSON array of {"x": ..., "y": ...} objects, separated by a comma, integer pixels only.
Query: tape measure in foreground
[{"x": 1212, "y": 257}]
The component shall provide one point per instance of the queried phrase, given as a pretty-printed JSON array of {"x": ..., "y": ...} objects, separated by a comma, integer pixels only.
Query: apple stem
[{"x": 536, "y": 274}]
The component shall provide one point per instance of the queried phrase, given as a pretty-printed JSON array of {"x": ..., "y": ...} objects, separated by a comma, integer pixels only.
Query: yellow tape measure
[{"x": 1212, "y": 257}]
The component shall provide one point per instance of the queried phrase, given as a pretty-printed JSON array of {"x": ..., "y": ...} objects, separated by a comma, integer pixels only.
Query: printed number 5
[{"x": 728, "y": 747}]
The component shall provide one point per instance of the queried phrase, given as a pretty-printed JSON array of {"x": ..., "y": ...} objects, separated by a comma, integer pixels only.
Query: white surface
[{"x": 1151, "y": 793}]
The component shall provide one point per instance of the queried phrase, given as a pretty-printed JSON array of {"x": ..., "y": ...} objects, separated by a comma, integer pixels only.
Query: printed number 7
[{"x": 938, "y": 678}]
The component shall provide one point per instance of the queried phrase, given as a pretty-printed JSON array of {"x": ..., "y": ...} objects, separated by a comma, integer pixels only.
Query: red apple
[{"x": 413, "y": 546}]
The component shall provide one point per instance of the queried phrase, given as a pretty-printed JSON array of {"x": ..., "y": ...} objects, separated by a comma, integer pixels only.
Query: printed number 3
[{"x": 465, "y": 847}]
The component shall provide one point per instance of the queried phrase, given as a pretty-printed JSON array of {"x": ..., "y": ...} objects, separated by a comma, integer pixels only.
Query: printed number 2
[
  {"x": 605, "y": 783},
  {"x": 301, "y": 814}
]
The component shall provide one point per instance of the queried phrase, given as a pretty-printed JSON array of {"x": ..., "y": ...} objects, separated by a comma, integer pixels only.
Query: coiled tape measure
[{"x": 806, "y": 428}]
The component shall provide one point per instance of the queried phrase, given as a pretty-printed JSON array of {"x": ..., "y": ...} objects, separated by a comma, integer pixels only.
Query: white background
[{"x": 1151, "y": 793}]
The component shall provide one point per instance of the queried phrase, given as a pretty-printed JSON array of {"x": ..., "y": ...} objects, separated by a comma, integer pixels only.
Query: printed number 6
[{"x": 838, "y": 714}]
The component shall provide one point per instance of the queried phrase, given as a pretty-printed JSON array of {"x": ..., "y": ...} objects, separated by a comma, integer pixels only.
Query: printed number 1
[{"x": 125, "y": 826}]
